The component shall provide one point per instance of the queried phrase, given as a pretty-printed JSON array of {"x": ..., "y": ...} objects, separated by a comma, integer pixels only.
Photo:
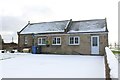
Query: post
[{"x": 12, "y": 39}]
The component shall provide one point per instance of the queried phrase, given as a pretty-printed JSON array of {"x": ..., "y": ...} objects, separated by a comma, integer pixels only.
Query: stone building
[
  {"x": 10, "y": 46},
  {"x": 65, "y": 37},
  {"x": 1, "y": 42}
]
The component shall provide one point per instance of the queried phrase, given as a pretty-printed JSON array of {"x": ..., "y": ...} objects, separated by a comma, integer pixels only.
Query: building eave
[{"x": 23, "y": 28}]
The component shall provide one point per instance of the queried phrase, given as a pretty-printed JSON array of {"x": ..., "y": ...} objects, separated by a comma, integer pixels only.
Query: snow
[
  {"x": 0, "y": 70},
  {"x": 88, "y": 26},
  {"x": 53, "y": 66},
  {"x": 4, "y": 56},
  {"x": 90, "y": 30},
  {"x": 112, "y": 62},
  {"x": 1, "y": 51},
  {"x": 96, "y": 25},
  {"x": 68, "y": 24},
  {"x": 45, "y": 27}
]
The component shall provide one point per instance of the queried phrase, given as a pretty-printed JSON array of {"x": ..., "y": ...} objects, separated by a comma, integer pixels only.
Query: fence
[{"x": 115, "y": 46}]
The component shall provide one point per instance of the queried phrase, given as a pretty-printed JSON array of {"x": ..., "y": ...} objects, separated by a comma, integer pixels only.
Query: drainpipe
[
  {"x": 33, "y": 50},
  {"x": 33, "y": 36}
]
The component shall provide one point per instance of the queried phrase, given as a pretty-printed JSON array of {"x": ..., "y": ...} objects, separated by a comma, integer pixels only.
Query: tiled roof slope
[
  {"x": 45, "y": 27},
  {"x": 96, "y": 25}
]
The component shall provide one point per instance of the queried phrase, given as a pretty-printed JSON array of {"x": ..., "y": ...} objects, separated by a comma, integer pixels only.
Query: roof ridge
[
  {"x": 48, "y": 22},
  {"x": 88, "y": 20}
]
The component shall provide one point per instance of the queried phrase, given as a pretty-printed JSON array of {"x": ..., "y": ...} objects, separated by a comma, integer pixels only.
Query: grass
[{"x": 116, "y": 52}]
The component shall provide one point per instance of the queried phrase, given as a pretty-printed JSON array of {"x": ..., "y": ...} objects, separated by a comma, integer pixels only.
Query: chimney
[{"x": 28, "y": 22}]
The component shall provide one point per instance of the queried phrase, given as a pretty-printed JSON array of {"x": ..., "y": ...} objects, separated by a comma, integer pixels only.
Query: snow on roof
[
  {"x": 45, "y": 27},
  {"x": 97, "y": 25},
  {"x": 88, "y": 26}
]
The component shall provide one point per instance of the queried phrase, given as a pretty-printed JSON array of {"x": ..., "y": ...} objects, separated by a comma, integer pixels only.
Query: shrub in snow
[{"x": 112, "y": 62}]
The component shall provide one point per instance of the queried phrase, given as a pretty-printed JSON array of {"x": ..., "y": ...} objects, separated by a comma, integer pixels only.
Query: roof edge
[
  {"x": 68, "y": 25},
  {"x": 24, "y": 27},
  {"x": 106, "y": 25},
  {"x": 89, "y": 32},
  {"x": 88, "y": 20},
  {"x": 48, "y": 22}
]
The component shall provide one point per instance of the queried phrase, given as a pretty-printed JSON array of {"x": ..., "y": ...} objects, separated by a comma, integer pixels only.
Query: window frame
[
  {"x": 25, "y": 40},
  {"x": 74, "y": 40},
  {"x": 56, "y": 40},
  {"x": 42, "y": 40},
  {"x": 95, "y": 41}
]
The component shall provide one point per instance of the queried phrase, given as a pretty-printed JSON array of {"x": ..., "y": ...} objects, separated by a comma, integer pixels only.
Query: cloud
[
  {"x": 36, "y": 12},
  {"x": 12, "y": 23},
  {"x": 9, "y": 27},
  {"x": 4, "y": 33},
  {"x": 43, "y": 10}
]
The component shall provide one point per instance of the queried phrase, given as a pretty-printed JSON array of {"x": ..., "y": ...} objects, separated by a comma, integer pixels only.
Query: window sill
[
  {"x": 74, "y": 44},
  {"x": 42, "y": 44},
  {"x": 56, "y": 44}
]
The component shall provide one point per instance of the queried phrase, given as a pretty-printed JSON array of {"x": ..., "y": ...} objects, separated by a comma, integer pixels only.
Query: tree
[
  {"x": 115, "y": 44},
  {"x": 110, "y": 45}
]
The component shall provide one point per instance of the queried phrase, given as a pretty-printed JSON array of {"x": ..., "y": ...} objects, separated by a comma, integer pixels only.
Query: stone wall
[
  {"x": 0, "y": 45},
  {"x": 21, "y": 42},
  {"x": 65, "y": 48}
]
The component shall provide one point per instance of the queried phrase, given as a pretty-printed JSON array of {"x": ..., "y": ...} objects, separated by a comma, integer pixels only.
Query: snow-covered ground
[
  {"x": 52, "y": 66},
  {"x": 4, "y": 56}
]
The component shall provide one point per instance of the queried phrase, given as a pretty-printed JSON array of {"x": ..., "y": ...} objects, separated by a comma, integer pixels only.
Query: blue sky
[{"x": 16, "y": 13}]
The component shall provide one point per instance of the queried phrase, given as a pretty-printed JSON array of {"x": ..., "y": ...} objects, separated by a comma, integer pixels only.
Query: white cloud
[{"x": 4, "y": 33}]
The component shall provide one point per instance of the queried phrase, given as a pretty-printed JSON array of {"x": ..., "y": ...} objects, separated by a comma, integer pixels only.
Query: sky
[{"x": 15, "y": 14}]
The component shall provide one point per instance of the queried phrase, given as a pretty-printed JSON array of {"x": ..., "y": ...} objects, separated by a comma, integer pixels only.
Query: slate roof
[
  {"x": 96, "y": 25},
  {"x": 45, "y": 27}
]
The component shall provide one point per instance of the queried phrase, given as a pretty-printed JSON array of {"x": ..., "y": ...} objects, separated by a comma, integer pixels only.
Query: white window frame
[
  {"x": 74, "y": 40},
  {"x": 41, "y": 41},
  {"x": 56, "y": 41},
  {"x": 25, "y": 40}
]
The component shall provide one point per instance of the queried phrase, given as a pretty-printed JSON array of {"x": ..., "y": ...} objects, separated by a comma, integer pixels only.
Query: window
[
  {"x": 74, "y": 40},
  {"x": 25, "y": 40},
  {"x": 41, "y": 41},
  {"x": 56, "y": 41},
  {"x": 95, "y": 41},
  {"x": 71, "y": 40}
]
